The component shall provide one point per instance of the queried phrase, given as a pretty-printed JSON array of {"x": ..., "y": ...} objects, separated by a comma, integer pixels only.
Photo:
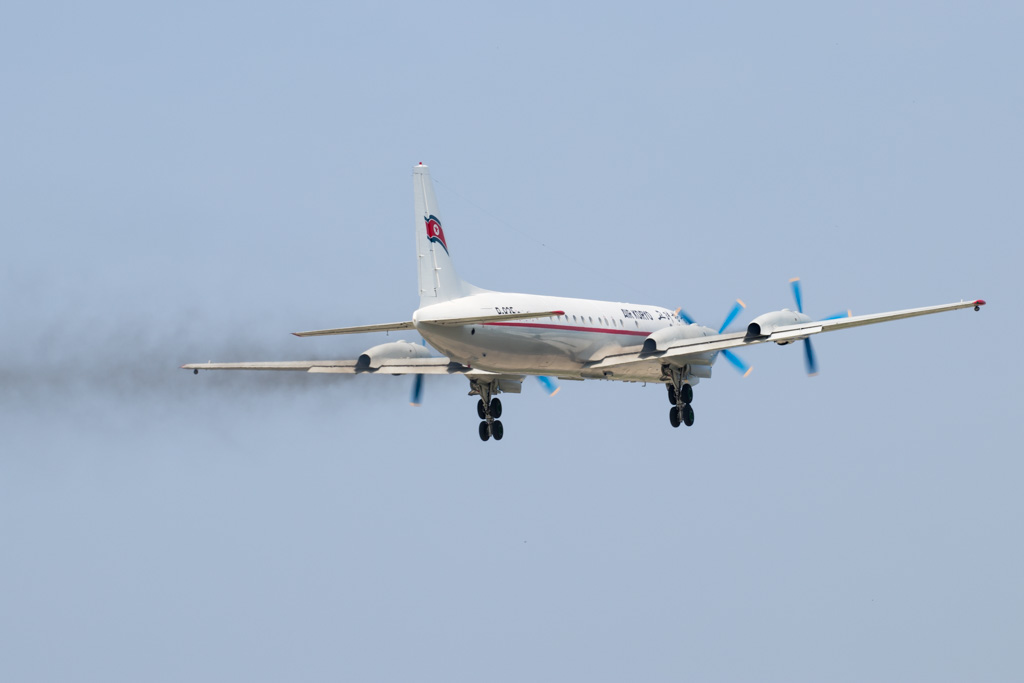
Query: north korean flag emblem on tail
[{"x": 435, "y": 233}]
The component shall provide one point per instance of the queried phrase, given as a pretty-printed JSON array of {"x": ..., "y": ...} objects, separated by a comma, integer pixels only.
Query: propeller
[
  {"x": 736, "y": 308},
  {"x": 810, "y": 361},
  {"x": 549, "y": 385},
  {"x": 735, "y": 360},
  {"x": 417, "y": 388},
  {"x": 684, "y": 317},
  {"x": 417, "y": 391}
]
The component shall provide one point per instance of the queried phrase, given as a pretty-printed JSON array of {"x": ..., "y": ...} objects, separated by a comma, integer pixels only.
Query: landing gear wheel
[
  {"x": 686, "y": 393},
  {"x": 485, "y": 433},
  {"x": 495, "y": 410},
  {"x": 671, "y": 394},
  {"x": 497, "y": 431},
  {"x": 673, "y": 416},
  {"x": 481, "y": 411},
  {"x": 688, "y": 415}
]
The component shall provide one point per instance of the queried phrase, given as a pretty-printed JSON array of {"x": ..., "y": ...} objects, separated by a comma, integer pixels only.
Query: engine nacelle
[
  {"x": 764, "y": 325},
  {"x": 662, "y": 339},
  {"x": 372, "y": 358}
]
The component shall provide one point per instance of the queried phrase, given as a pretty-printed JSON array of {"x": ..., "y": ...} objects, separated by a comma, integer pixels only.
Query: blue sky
[{"x": 193, "y": 182}]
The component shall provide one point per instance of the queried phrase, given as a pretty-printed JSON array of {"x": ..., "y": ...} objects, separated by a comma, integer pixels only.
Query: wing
[
  {"x": 645, "y": 365},
  {"x": 403, "y": 366}
]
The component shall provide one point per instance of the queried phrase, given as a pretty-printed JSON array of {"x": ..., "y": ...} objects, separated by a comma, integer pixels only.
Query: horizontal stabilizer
[
  {"x": 482, "y": 319},
  {"x": 409, "y": 325},
  {"x": 382, "y": 327}
]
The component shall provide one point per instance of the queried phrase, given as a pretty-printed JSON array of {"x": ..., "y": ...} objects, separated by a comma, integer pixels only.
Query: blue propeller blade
[
  {"x": 417, "y": 391},
  {"x": 736, "y": 308},
  {"x": 737, "y": 362},
  {"x": 417, "y": 386},
  {"x": 795, "y": 282},
  {"x": 684, "y": 317},
  {"x": 837, "y": 316},
  {"x": 812, "y": 364},
  {"x": 548, "y": 384}
]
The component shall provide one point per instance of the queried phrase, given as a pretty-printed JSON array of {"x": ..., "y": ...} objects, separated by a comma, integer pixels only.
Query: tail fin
[{"x": 438, "y": 279}]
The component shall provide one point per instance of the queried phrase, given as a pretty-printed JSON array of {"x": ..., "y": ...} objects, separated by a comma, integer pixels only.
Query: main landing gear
[
  {"x": 680, "y": 395},
  {"x": 488, "y": 409}
]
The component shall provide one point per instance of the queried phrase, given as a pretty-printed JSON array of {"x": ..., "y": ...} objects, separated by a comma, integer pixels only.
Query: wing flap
[
  {"x": 408, "y": 368},
  {"x": 398, "y": 366},
  {"x": 294, "y": 365},
  {"x": 798, "y": 333}
]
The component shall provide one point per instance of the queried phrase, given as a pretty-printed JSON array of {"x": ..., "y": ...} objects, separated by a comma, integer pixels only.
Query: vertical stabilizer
[{"x": 438, "y": 279}]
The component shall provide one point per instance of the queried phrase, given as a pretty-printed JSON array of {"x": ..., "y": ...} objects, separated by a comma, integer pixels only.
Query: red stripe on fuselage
[{"x": 600, "y": 330}]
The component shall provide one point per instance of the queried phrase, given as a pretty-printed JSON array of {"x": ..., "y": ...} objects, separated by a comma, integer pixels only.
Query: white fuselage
[{"x": 560, "y": 345}]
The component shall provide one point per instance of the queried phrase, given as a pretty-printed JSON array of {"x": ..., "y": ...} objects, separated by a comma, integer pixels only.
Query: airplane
[{"x": 496, "y": 339}]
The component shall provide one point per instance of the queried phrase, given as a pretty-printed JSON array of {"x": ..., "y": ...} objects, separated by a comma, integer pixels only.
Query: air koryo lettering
[{"x": 636, "y": 314}]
